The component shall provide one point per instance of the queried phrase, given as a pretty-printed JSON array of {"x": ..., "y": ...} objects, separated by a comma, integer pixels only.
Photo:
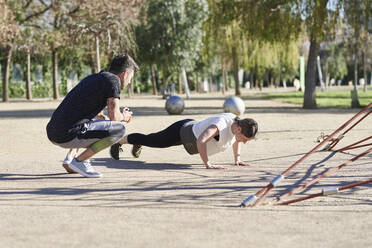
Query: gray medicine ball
[
  {"x": 234, "y": 105},
  {"x": 174, "y": 105}
]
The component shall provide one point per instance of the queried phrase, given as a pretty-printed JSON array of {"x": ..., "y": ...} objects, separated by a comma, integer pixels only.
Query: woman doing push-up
[{"x": 207, "y": 137}]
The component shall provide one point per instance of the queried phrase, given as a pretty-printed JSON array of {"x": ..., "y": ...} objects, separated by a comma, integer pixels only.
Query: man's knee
[
  {"x": 117, "y": 129},
  {"x": 116, "y": 133}
]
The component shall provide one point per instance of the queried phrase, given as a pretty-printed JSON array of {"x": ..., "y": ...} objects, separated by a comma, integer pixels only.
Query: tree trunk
[
  {"x": 6, "y": 73},
  {"x": 227, "y": 81},
  {"x": 28, "y": 76},
  {"x": 254, "y": 80},
  {"x": 179, "y": 82},
  {"x": 260, "y": 83},
  {"x": 164, "y": 79},
  {"x": 210, "y": 83},
  {"x": 354, "y": 94},
  {"x": 93, "y": 64},
  {"x": 277, "y": 81},
  {"x": 310, "y": 84},
  {"x": 365, "y": 73},
  {"x": 326, "y": 74},
  {"x": 320, "y": 73},
  {"x": 185, "y": 83},
  {"x": 153, "y": 79},
  {"x": 130, "y": 90},
  {"x": 236, "y": 70},
  {"x": 98, "y": 58},
  {"x": 55, "y": 74},
  {"x": 270, "y": 78},
  {"x": 197, "y": 85},
  {"x": 224, "y": 77}
]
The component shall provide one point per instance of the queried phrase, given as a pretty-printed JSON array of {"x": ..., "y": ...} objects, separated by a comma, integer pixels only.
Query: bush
[
  {"x": 17, "y": 90},
  {"x": 62, "y": 88},
  {"x": 42, "y": 90},
  {"x": 39, "y": 90}
]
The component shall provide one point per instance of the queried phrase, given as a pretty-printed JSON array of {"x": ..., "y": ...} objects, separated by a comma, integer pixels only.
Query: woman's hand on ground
[
  {"x": 241, "y": 163},
  {"x": 218, "y": 167}
]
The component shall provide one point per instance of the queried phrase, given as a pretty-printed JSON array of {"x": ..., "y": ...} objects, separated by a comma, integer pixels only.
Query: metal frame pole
[
  {"x": 253, "y": 199},
  {"x": 326, "y": 192}
]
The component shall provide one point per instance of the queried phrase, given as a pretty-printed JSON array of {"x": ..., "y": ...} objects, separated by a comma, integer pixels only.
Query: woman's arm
[
  {"x": 236, "y": 151},
  {"x": 201, "y": 143}
]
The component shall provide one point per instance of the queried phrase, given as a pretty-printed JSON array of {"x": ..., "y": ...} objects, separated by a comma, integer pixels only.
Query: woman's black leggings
[{"x": 165, "y": 138}]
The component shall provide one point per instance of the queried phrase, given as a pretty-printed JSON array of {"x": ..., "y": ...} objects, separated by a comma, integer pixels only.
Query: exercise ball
[
  {"x": 234, "y": 105},
  {"x": 174, "y": 105}
]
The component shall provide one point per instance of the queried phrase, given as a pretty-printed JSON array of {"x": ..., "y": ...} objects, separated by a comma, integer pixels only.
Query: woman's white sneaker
[{"x": 84, "y": 168}]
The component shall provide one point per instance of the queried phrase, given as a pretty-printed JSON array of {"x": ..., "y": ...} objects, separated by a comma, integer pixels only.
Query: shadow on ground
[
  {"x": 128, "y": 164},
  {"x": 189, "y": 187},
  {"x": 202, "y": 110}
]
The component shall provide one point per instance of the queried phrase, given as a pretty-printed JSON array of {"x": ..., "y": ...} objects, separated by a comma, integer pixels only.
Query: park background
[
  {"x": 46, "y": 47},
  {"x": 167, "y": 198}
]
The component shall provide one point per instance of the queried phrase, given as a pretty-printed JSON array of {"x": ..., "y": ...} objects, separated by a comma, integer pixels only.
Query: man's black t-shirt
[{"x": 84, "y": 101}]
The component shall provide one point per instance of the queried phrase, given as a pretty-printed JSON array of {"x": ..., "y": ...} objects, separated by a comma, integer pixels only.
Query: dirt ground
[{"x": 166, "y": 198}]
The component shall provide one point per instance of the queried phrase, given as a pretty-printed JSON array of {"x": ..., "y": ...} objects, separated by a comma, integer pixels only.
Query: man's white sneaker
[
  {"x": 68, "y": 159},
  {"x": 84, "y": 168}
]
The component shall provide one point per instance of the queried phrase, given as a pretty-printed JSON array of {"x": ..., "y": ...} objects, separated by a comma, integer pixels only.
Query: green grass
[{"x": 327, "y": 98}]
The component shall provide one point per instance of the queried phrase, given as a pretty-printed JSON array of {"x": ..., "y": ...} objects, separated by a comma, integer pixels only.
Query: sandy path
[{"x": 167, "y": 199}]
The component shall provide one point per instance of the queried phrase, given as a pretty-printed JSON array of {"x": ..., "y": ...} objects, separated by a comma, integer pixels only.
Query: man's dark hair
[{"x": 121, "y": 63}]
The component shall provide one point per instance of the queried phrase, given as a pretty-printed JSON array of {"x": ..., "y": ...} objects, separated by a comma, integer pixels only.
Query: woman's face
[{"x": 240, "y": 137}]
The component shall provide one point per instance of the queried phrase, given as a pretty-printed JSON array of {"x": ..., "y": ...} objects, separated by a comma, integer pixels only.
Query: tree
[
  {"x": 336, "y": 60},
  {"x": 146, "y": 52},
  {"x": 225, "y": 39},
  {"x": 56, "y": 38},
  {"x": 9, "y": 31},
  {"x": 357, "y": 13},
  {"x": 318, "y": 23},
  {"x": 54, "y": 19},
  {"x": 282, "y": 60},
  {"x": 248, "y": 23},
  {"x": 101, "y": 20},
  {"x": 25, "y": 13},
  {"x": 174, "y": 28},
  {"x": 28, "y": 46},
  {"x": 321, "y": 18}
]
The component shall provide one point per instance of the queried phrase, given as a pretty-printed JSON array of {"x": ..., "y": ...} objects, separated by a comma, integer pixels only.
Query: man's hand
[
  {"x": 127, "y": 115},
  {"x": 101, "y": 117}
]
